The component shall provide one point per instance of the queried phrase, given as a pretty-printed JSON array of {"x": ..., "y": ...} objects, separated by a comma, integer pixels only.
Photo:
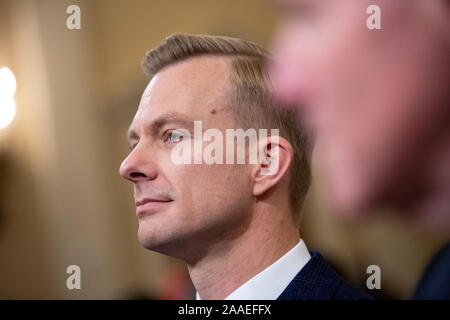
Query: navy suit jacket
[
  {"x": 435, "y": 282},
  {"x": 318, "y": 281}
]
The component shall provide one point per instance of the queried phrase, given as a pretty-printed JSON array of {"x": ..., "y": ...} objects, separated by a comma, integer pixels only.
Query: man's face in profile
[
  {"x": 192, "y": 203},
  {"x": 375, "y": 98}
]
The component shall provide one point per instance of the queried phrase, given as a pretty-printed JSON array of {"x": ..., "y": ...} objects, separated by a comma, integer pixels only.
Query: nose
[{"x": 138, "y": 166}]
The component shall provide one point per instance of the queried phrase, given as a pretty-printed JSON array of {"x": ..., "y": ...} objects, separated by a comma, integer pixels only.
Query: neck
[{"x": 232, "y": 262}]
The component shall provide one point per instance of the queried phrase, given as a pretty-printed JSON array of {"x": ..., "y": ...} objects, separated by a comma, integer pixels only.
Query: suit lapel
[{"x": 316, "y": 280}]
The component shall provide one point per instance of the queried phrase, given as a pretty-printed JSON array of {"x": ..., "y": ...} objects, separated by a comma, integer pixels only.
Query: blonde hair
[{"x": 252, "y": 104}]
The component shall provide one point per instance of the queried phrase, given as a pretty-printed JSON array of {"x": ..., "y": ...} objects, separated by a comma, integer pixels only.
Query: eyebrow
[{"x": 166, "y": 118}]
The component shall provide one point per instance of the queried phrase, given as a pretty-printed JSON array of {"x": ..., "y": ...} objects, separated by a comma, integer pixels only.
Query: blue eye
[{"x": 174, "y": 137}]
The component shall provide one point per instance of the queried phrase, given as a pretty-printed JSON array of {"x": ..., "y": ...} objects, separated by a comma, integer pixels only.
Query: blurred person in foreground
[
  {"x": 377, "y": 101},
  {"x": 234, "y": 225}
]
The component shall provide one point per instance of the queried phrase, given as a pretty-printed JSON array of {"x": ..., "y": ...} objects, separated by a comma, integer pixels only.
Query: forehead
[{"x": 191, "y": 87}]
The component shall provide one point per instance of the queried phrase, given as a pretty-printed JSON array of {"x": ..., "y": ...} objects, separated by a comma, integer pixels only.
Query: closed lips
[{"x": 142, "y": 202}]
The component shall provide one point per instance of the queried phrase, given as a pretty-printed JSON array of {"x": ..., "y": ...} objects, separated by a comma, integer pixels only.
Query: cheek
[
  {"x": 212, "y": 194},
  {"x": 295, "y": 62}
]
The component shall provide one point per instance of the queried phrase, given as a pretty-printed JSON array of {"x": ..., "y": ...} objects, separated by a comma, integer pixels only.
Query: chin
[
  {"x": 148, "y": 237},
  {"x": 354, "y": 197},
  {"x": 349, "y": 206},
  {"x": 428, "y": 214},
  {"x": 156, "y": 245},
  {"x": 167, "y": 243}
]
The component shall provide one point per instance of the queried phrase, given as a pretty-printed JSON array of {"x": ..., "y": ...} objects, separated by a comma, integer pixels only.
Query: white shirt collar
[{"x": 271, "y": 282}]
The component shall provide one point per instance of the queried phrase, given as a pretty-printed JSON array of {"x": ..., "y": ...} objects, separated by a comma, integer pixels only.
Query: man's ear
[{"x": 276, "y": 155}]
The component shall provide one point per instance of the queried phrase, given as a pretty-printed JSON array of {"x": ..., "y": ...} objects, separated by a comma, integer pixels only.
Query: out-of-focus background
[{"x": 62, "y": 201}]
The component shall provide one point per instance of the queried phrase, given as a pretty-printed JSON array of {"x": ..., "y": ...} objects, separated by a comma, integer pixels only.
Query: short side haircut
[{"x": 252, "y": 104}]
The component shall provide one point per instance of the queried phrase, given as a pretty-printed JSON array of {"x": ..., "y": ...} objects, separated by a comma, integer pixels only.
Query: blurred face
[
  {"x": 376, "y": 99},
  {"x": 184, "y": 208}
]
